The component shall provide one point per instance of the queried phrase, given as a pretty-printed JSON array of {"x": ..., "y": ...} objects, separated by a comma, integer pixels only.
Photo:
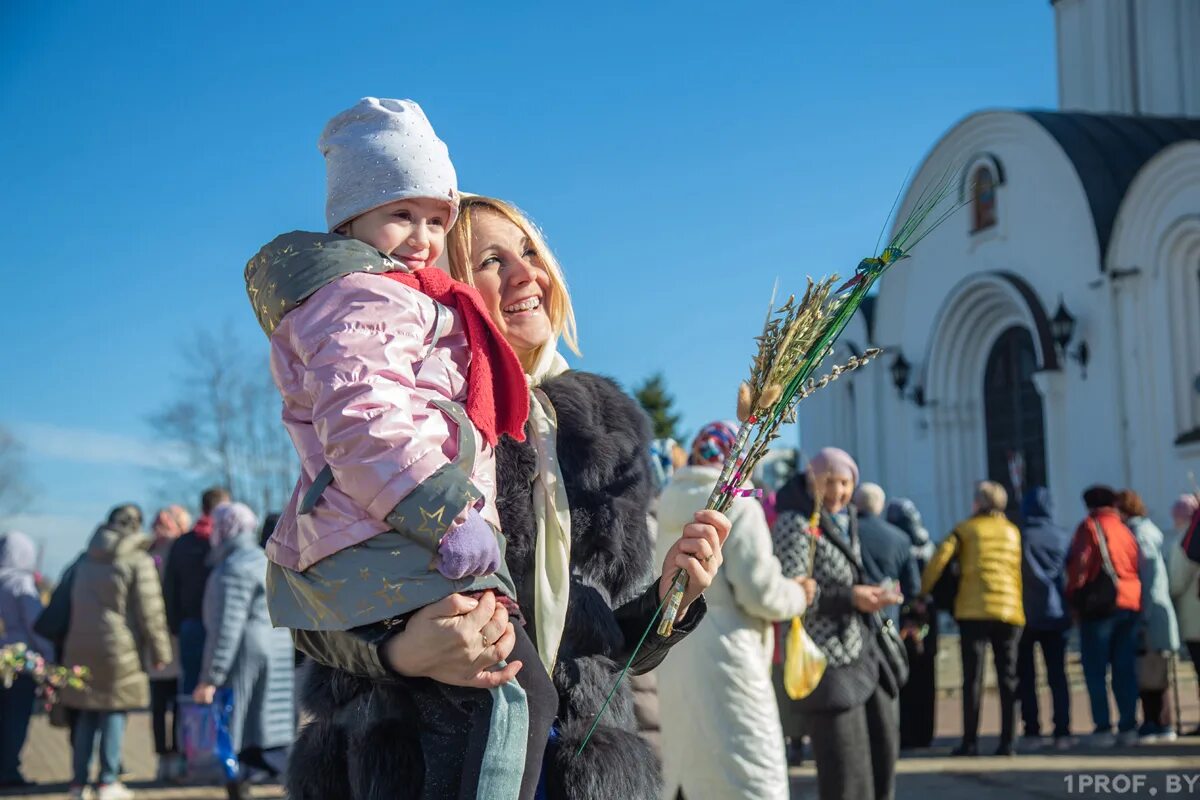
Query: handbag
[
  {"x": 804, "y": 661},
  {"x": 206, "y": 741},
  {"x": 1097, "y": 598},
  {"x": 895, "y": 654},
  {"x": 54, "y": 621}
]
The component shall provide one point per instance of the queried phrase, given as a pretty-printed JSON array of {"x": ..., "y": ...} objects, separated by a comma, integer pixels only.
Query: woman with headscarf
[
  {"x": 731, "y": 743},
  {"x": 242, "y": 650},
  {"x": 851, "y": 715},
  {"x": 20, "y": 605},
  {"x": 169, "y": 524}
]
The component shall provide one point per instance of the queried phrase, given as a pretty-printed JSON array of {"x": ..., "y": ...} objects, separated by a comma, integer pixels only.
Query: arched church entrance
[
  {"x": 1014, "y": 422},
  {"x": 989, "y": 339}
]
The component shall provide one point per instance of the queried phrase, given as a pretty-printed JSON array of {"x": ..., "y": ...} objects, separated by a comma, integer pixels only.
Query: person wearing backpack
[{"x": 1105, "y": 593}]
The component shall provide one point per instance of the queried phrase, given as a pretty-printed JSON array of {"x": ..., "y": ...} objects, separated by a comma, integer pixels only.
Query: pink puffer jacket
[{"x": 359, "y": 382}]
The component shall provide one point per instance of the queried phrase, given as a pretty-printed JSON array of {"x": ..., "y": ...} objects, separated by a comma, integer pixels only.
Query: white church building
[{"x": 1049, "y": 332}]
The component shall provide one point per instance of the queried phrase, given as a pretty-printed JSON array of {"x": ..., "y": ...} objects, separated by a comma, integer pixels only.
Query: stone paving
[{"x": 1165, "y": 769}]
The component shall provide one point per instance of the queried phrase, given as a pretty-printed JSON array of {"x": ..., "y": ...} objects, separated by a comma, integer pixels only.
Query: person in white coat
[{"x": 721, "y": 734}]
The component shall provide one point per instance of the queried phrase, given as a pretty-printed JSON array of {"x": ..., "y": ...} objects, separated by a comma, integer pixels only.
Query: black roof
[{"x": 1108, "y": 151}]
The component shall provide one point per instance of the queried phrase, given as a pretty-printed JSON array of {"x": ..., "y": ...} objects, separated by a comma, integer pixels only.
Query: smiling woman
[
  {"x": 572, "y": 498},
  {"x": 498, "y": 250}
]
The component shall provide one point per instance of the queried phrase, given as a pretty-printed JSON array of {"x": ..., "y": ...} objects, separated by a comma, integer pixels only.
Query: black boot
[{"x": 238, "y": 790}]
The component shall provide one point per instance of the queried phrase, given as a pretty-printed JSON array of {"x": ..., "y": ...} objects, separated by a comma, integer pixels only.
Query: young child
[{"x": 396, "y": 385}]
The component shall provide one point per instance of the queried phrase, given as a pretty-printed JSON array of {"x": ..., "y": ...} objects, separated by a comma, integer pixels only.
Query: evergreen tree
[{"x": 653, "y": 397}]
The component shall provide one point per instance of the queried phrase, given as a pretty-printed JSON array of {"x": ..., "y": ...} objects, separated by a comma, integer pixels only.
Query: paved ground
[{"x": 923, "y": 775}]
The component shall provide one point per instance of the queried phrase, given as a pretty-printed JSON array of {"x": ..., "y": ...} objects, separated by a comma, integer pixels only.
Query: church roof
[{"x": 1108, "y": 151}]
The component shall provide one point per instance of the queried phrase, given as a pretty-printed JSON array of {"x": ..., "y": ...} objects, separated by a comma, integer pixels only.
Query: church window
[{"x": 983, "y": 199}]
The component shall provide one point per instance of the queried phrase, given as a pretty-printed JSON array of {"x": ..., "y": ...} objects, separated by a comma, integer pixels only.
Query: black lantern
[
  {"x": 1062, "y": 326},
  {"x": 900, "y": 372},
  {"x": 1062, "y": 330}
]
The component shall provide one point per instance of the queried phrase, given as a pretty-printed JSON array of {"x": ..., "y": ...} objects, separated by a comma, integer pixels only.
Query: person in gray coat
[{"x": 242, "y": 651}]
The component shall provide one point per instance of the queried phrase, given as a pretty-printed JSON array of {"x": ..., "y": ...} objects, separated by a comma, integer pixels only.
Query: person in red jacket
[{"x": 1111, "y": 639}]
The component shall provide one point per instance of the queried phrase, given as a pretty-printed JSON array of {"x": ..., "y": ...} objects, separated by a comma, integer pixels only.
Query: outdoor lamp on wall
[
  {"x": 1062, "y": 330},
  {"x": 900, "y": 372}
]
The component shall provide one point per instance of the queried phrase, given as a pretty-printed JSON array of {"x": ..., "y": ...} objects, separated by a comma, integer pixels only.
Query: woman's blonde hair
[
  {"x": 458, "y": 253},
  {"x": 991, "y": 497}
]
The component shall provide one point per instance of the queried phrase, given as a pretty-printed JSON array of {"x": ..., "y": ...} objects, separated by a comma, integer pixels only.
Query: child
[{"x": 396, "y": 385}]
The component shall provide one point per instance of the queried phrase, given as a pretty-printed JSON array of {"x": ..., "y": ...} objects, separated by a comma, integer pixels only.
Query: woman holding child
[{"x": 395, "y": 693}]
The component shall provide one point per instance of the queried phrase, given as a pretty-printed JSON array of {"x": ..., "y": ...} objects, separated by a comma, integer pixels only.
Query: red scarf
[
  {"x": 497, "y": 395},
  {"x": 204, "y": 526}
]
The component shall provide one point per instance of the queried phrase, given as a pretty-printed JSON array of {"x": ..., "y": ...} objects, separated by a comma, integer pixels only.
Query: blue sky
[{"x": 680, "y": 157}]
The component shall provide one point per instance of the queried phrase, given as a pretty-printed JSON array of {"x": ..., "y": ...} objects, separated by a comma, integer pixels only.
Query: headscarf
[
  {"x": 833, "y": 461},
  {"x": 713, "y": 444},
  {"x": 230, "y": 520}
]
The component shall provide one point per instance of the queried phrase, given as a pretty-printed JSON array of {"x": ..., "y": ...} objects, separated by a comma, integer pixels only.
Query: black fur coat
[{"x": 357, "y": 733}]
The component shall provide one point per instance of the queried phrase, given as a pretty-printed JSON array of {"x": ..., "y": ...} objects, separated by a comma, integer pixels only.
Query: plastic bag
[
  {"x": 207, "y": 745},
  {"x": 803, "y": 662}
]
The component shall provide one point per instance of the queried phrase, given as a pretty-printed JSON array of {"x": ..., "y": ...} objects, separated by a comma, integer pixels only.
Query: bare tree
[
  {"x": 15, "y": 489},
  {"x": 227, "y": 421}
]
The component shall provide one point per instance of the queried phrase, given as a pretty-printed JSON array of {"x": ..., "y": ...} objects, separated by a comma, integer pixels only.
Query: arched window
[{"x": 983, "y": 199}]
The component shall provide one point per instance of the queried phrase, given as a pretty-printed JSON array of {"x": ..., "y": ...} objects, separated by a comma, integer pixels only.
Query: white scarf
[{"x": 552, "y": 549}]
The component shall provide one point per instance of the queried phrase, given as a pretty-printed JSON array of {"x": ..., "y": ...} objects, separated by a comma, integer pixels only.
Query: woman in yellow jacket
[{"x": 988, "y": 607}]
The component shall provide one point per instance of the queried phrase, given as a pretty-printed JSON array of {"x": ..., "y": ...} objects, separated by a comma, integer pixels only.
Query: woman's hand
[
  {"x": 810, "y": 588},
  {"x": 868, "y": 599},
  {"x": 204, "y": 693},
  {"x": 698, "y": 551},
  {"x": 457, "y": 641}
]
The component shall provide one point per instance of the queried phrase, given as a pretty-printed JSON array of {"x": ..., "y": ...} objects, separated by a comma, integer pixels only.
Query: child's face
[
  {"x": 412, "y": 232},
  {"x": 510, "y": 277}
]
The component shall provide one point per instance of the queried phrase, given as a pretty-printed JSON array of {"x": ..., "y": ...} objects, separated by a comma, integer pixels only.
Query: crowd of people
[
  {"x": 1130, "y": 591},
  {"x": 157, "y": 621}
]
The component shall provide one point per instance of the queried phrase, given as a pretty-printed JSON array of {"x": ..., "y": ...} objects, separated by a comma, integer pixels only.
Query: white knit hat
[{"x": 380, "y": 151}]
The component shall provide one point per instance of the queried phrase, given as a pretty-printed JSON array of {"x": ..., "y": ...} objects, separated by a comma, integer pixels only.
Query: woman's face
[
  {"x": 509, "y": 275},
  {"x": 838, "y": 489}
]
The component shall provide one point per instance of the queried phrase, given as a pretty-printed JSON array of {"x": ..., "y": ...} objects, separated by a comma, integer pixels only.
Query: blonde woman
[{"x": 573, "y": 501}]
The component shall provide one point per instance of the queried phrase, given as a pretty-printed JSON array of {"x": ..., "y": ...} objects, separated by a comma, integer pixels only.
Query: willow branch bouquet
[
  {"x": 17, "y": 659},
  {"x": 796, "y": 338}
]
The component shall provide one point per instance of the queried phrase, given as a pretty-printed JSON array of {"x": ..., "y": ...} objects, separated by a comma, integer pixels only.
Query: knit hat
[
  {"x": 381, "y": 151},
  {"x": 713, "y": 443},
  {"x": 1099, "y": 497},
  {"x": 1185, "y": 507},
  {"x": 832, "y": 460}
]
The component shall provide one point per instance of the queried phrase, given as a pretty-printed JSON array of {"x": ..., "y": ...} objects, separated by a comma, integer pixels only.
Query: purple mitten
[{"x": 469, "y": 549}]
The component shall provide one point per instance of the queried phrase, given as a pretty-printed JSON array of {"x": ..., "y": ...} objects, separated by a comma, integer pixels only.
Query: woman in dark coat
[
  {"x": 919, "y": 627},
  {"x": 581, "y": 483}
]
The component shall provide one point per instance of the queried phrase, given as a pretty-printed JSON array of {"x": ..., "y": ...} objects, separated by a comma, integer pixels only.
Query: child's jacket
[{"x": 373, "y": 377}]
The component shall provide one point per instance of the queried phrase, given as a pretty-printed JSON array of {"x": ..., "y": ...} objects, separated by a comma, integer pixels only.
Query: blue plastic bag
[{"x": 207, "y": 745}]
